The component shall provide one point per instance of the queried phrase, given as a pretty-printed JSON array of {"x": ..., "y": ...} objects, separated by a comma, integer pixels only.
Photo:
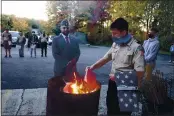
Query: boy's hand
[{"x": 112, "y": 77}]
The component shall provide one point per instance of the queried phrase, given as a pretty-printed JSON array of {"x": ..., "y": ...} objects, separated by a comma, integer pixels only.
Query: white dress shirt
[{"x": 65, "y": 36}]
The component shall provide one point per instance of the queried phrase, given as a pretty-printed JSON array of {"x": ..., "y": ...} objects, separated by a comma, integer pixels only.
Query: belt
[{"x": 122, "y": 70}]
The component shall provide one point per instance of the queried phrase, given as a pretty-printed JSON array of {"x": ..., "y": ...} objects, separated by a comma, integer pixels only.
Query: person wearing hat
[
  {"x": 65, "y": 50},
  {"x": 7, "y": 41}
]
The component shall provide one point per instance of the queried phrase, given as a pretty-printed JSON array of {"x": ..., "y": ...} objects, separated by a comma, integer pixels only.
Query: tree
[
  {"x": 165, "y": 17},
  {"x": 131, "y": 12},
  {"x": 44, "y": 26},
  {"x": 98, "y": 15},
  {"x": 72, "y": 10},
  {"x": 52, "y": 12},
  {"x": 6, "y": 22},
  {"x": 20, "y": 24},
  {"x": 33, "y": 23}
]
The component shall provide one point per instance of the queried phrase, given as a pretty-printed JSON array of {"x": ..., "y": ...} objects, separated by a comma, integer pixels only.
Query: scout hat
[{"x": 64, "y": 23}]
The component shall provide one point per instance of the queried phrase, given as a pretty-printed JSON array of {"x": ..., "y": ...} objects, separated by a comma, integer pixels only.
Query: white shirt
[
  {"x": 65, "y": 36},
  {"x": 151, "y": 48},
  {"x": 43, "y": 39}
]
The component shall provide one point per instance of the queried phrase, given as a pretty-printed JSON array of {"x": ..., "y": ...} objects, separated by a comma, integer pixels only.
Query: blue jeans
[{"x": 31, "y": 52}]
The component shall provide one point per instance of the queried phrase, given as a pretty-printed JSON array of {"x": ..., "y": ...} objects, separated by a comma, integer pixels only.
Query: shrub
[{"x": 164, "y": 43}]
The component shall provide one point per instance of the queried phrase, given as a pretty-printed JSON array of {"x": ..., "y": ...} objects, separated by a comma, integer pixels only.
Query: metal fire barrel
[{"x": 61, "y": 103}]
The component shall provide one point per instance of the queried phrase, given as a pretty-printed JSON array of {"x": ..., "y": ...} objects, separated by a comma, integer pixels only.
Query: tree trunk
[{"x": 147, "y": 26}]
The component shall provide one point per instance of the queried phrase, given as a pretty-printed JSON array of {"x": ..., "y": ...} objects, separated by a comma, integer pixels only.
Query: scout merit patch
[{"x": 141, "y": 49}]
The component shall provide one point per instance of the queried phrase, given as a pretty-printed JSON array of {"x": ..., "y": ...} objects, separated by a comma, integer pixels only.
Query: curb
[{"x": 33, "y": 101}]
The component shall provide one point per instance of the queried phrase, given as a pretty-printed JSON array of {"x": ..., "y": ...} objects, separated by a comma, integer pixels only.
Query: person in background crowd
[
  {"x": 7, "y": 41},
  {"x": 21, "y": 41},
  {"x": 34, "y": 42},
  {"x": 151, "y": 48},
  {"x": 43, "y": 40},
  {"x": 28, "y": 43},
  {"x": 172, "y": 52}
]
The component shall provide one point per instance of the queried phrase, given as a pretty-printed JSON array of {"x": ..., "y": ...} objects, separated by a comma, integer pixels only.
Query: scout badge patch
[{"x": 140, "y": 49}]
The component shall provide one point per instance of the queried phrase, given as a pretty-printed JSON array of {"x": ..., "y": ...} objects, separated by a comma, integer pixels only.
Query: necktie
[{"x": 67, "y": 40}]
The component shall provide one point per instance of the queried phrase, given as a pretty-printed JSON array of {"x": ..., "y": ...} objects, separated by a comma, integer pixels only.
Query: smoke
[{"x": 92, "y": 9}]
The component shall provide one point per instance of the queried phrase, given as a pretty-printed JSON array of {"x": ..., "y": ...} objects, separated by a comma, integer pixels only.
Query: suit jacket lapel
[{"x": 62, "y": 42}]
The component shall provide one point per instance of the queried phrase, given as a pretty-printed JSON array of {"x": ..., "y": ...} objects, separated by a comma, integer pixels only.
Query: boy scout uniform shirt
[
  {"x": 126, "y": 58},
  {"x": 6, "y": 36}
]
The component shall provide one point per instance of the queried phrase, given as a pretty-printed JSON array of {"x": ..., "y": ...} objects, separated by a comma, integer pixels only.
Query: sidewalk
[{"x": 33, "y": 101}]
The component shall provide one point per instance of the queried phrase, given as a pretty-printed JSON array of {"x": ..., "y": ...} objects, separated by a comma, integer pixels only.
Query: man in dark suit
[{"x": 65, "y": 50}]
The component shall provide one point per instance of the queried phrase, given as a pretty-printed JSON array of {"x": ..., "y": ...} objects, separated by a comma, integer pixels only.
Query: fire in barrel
[
  {"x": 80, "y": 86},
  {"x": 79, "y": 97}
]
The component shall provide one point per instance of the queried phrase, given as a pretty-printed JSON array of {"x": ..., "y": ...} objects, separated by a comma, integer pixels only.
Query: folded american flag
[
  {"x": 127, "y": 78},
  {"x": 127, "y": 91}
]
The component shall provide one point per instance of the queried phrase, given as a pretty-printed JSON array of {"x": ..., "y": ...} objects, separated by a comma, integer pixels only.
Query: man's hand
[
  {"x": 71, "y": 69},
  {"x": 72, "y": 63},
  {"x": 140, "y": 75}
]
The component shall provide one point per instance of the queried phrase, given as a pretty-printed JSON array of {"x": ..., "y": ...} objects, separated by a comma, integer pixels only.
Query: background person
[
  {"x": 7, "y": 42},
  {"x": 21, "y": 41},
  {"x": 151, "y": 48}
]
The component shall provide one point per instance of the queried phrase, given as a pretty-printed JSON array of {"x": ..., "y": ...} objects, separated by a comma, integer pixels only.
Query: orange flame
[{"x": 79, "y": 86}]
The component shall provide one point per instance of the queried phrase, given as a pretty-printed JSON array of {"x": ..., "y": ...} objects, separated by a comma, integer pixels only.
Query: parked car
[
  {"x": 50, "y": 39},
  {"x": 15, "y": 35}
]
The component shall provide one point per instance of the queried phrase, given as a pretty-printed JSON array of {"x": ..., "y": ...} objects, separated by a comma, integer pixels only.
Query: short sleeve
[
  {"x": 138, "y": 59},
  {"x": 108, "y": 55}
]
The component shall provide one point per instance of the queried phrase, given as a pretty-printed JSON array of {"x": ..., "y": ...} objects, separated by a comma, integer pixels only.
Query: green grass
[{"x": 164, "y": 52}]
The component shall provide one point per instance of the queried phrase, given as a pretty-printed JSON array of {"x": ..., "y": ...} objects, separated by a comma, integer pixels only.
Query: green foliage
[
  {"x": 56, "y": 30},
  {"x": 164, "y": 43},
  {"x": 24, "y": 25},
  {"x": 20, "y": 24},
  {"x": 164, "y": 52},
  {"x": 33, "y": 23},
  {"x": 166, "y": 17},
  {"x": 6, "y": 22},
  {"x": 141, "y": 15}
]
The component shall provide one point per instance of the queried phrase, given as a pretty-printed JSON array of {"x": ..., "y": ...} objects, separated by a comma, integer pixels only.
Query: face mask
[{"x": 122, "y": 40}]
